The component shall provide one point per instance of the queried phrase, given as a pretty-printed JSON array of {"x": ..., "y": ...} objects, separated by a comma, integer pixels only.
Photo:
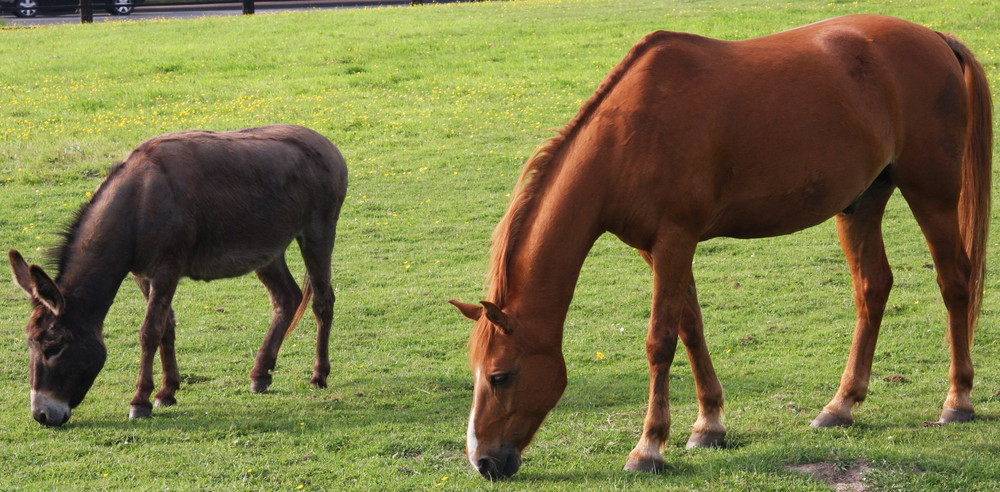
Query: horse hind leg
[
  {"x": 860, "y": 235},
  {"x": 285, "y": 297},
  {"x": 937, "y": 213}
]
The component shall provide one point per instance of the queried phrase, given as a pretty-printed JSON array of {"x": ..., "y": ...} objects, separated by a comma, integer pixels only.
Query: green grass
[{"x": 435, "y": 109}]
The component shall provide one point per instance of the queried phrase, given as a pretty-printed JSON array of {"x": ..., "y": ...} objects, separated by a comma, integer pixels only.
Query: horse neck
[{"x": 554, "y": 241}]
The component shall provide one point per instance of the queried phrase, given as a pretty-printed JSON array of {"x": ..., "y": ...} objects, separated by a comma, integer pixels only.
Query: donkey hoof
[
  {"x": 828, "y": 419},
  {"x": 317, "y": 382},
  {"x": 706, "y": 439},
  {"x": 260, "y": 385},
  {"x": 165, "y": 401},
  {"x": 140, "y": 411},
  {"x": 647, "y": 465},
  {"x": 955, "y": 415}
]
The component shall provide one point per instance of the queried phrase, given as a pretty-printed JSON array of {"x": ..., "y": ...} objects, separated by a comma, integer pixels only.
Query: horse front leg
[
  {"x": 707, "y": 430},
  {"x": 160, "y": 293},
  {"x": 675, "y": 312}
]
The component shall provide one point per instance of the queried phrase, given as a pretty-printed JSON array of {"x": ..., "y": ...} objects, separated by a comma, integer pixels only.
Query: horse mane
[
  {"x": 538, "y": 169},
  {"x": 58, "y": 255}
]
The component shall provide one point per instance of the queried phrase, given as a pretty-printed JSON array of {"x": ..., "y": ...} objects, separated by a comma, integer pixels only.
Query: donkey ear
[
  {"x": 46, "y": 290},
  {"x": 22, "y": 277},
  {"x": 496, "y": 316},
  {"x": 470, "y": 311}
]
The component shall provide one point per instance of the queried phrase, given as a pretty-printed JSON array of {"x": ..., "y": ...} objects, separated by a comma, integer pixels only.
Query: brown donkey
[
  {"x": 690, "y": 138},
  {"x": 194, "y": 204}
]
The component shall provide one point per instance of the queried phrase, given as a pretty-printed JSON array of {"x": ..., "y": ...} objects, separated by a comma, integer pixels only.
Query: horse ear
[
  {"x": 470, "y": 311},
  {"x": 496, "y": 316},
  {"x": 22, "y": 277},
  {"x": 46, "y": 291}
]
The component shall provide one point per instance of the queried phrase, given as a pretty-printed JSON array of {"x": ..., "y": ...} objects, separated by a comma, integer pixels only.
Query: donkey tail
[
  {"x": 307, "y": 292},
  {"x": 977, "y": 163}
]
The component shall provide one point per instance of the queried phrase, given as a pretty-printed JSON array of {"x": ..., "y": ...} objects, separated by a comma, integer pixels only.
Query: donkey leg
[
  {"x": 940, "y": 227},
  {"x": 316, "y": 251},
  {"x": 285, "y": 298},
  {"x": 861, "y": 240},
  {"x": 674, "y": 310},
  {"x": 160, "y": 294},
  {"x": 168, "y": 359}
]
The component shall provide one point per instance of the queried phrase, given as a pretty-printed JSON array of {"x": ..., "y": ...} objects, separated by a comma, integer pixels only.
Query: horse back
[{"x": 770, "y": 135}]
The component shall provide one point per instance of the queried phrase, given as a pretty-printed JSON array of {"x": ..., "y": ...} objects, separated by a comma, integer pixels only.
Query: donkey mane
[
  {"x": 58, "y": 255},
  {"x": 538, "y": 168}
]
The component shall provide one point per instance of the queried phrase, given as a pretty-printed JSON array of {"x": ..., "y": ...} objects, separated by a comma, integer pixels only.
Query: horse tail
[
  {"x": 307, "y": 292},
  {"x": 977, "y": 163}
]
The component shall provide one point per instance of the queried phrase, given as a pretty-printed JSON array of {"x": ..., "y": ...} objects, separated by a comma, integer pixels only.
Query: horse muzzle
[
  {"x": 47, "y": 410},
  {"x": 501, "y": 464}
]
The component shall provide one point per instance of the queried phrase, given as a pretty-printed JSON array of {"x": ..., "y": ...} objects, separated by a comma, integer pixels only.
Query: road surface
[{"x": 159, "y": 11}]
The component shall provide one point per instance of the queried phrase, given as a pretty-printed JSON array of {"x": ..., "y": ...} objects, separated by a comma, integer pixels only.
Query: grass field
[{"x": 435, "y": 109}]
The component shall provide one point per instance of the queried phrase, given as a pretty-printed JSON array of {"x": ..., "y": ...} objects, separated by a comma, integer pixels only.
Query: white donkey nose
[{"x": 48, "y": 410}]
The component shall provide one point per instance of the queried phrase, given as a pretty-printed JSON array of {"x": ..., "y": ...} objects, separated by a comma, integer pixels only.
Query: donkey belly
[
  {"x": 230, "y": 263},
  {"x": 240, "y": 247}
]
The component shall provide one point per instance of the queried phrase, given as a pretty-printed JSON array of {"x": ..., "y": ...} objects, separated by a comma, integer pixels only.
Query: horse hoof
[
  {"x": 647, "y": 465},
  {"x": 260, "y": 385},
  {"x": 827, "y": 419},
  {"x": 140, "y": 411},
  {"x": 166, "y": 401},
  {"x": 955, "y": 415},
  {"x": 707, "y": 439},
  {"x": 318, "y": 383}
]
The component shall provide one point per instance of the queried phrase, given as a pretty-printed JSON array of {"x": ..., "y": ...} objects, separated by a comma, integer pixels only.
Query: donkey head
[
  {"x": 64, "y": 356},
  {"x": 515, "y": 386}
]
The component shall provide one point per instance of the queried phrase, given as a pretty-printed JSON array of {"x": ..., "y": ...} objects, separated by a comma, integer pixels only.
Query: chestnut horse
[
  {"x": 690, "y": 138},
  {"x": 191, "y": 204}
]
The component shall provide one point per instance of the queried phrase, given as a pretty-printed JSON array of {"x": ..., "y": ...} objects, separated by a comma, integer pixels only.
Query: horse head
[
  {"x": 65, "y": 357},
  {"x": 516, "y": 384}
]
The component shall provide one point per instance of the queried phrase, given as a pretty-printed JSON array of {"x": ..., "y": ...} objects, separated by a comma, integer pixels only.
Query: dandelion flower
[{"x": 600, "y": 355}]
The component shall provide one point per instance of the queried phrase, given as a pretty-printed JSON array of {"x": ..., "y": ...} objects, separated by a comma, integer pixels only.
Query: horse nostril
[
  {"x": 504, "y": 465},
  {"x": 486, "y": 468},
  {"x": 40, "y": 417}
]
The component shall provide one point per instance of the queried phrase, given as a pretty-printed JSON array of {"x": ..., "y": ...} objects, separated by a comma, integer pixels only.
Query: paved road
[{"x": 190, "y": 11}]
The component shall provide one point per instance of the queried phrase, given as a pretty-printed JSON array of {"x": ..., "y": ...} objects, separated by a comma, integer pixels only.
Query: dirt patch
[
  {"x": 841, "y": 476},
  {"x": 895, "y": 378}
]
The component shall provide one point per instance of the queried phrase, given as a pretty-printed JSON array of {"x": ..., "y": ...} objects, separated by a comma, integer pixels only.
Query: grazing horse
[
  {"x": 690, "y": 138},
  {"x": 191, "y": 204}
]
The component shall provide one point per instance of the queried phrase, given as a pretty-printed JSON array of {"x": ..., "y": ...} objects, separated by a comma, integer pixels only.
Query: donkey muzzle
[{"x": 47, "y": 410}]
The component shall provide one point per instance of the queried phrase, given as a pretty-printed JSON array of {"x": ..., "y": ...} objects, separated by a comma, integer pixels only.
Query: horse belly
[{"x": 790, "y": 207}]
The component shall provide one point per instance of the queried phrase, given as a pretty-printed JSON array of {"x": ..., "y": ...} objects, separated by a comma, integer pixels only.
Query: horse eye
[{"x": 499, "y": 379}]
